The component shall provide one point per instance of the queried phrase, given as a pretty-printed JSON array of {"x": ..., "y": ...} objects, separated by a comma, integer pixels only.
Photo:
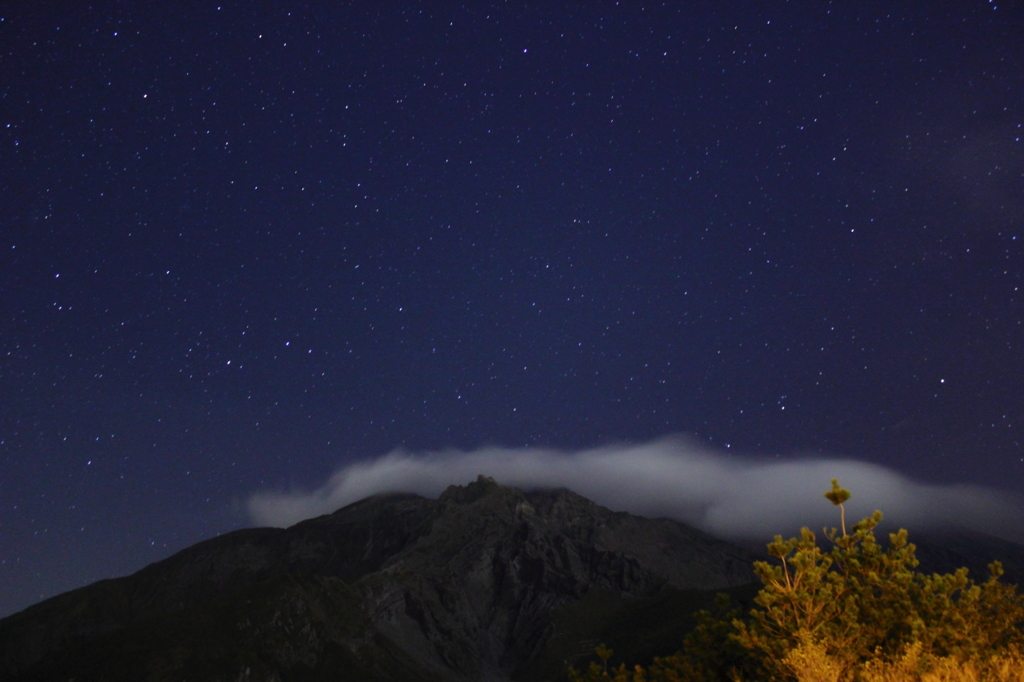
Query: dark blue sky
[{"x": 244, "y": 244}]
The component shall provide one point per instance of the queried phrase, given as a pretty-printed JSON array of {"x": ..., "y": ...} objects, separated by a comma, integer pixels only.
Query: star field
[{"x": 242, "y": 245}]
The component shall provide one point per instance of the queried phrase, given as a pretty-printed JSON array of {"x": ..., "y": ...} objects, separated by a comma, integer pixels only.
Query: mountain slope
[{"x": 480, "y": 584}]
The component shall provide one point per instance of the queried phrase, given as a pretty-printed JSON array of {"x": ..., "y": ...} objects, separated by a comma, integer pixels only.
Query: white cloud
[{"x": 728, "y": 496}]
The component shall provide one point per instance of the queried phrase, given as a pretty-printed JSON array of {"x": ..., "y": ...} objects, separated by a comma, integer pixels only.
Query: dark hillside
[{"x": 485, "y": 583}]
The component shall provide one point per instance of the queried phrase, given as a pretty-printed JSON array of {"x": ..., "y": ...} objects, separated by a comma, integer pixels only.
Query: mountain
[
  {"x": 945, "y": 552},
  {"x": 485, "y": 583}
]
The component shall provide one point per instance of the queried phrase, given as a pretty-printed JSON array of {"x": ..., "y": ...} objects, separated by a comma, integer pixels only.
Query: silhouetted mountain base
[{"x": 485, "y": 583}]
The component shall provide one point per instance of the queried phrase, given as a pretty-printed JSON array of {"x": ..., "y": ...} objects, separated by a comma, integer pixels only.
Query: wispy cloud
[{"x": 729, "y": 496}]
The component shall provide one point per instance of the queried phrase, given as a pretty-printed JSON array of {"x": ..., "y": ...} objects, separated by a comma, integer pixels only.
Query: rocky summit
[{"x": 485, "y": 583}]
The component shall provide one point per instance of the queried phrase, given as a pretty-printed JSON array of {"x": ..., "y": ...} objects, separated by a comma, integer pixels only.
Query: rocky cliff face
[{"x": 394, "y": 587}]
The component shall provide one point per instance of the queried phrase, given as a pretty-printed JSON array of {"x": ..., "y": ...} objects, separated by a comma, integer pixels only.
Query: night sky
[{"x": 243, "y": 245}]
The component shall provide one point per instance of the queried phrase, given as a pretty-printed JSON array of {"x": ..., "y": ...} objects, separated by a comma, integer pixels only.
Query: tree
[
  {"x": 854, "y": 609},
  {"x": 857, "y": 601}
]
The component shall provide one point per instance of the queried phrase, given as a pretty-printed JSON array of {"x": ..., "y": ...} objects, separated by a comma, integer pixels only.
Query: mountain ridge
[
  {"x": 487, "y": 582},
  {"x": 394, "y": 586}
]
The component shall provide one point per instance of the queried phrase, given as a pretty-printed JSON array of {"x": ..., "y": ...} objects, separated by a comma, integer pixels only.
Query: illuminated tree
[
  {"x": 856, "y": 610},
  {"x": 833, "y": 610}
]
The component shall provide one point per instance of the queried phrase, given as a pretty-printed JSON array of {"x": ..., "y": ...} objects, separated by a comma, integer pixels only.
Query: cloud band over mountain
[{"x": 728, "y": 496}]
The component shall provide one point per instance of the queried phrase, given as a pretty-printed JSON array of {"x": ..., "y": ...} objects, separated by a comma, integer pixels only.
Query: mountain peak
[
  {"x": 473, "y": 491},
  {"x": 394, "y": 587}
]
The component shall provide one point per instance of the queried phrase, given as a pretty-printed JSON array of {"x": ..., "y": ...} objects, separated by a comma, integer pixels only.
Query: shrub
[
  {"x": 860, "y": 601},
  {"x": 856, "y": 612}
]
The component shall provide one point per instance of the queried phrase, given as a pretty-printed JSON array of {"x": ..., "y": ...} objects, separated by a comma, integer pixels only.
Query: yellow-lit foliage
[
  {"x": 912, "y": 666},
  {"x": 810, "y": 664},
  {"x": 822, "y": 614},
  {"x": 859, "y": 612}
]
